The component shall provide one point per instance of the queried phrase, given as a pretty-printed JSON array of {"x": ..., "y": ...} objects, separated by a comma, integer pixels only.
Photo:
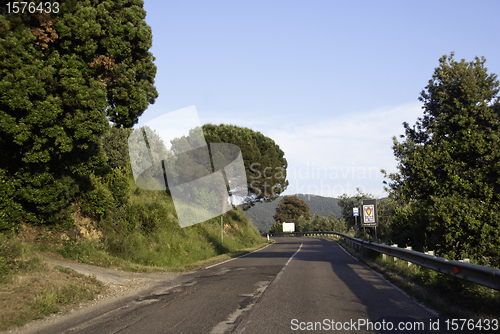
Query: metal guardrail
[{"x": 489, "y": 277}]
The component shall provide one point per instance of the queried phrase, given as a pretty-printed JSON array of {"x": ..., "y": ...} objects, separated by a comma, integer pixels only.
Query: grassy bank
[
  {"x": 31, "y": 288},
  {"x": 142, "y": 233},
  {"x": 115, "y": 225},
  {"x": 450, "y": 296}
]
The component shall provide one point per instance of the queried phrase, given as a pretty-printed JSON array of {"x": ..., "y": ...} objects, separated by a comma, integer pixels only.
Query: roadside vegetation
[
  {"x": 452, "y": 297},
  {"x": 145, "y": 234},
  {"x": 31, "y": 287},
  {"x": 292, "y": 209},
  {"x": 445, "y": 192},
  {"x": 110, "y": 223},
  {"x": 68, "y": 102}
]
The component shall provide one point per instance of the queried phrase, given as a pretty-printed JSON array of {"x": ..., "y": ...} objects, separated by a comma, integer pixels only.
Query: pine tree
[
  {"x": 265, "y": 164},
  {"x": 63, "y": 77}
]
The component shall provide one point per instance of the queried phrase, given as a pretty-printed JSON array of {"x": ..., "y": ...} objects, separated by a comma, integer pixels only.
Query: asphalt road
[{"x": 296, "y": 285}]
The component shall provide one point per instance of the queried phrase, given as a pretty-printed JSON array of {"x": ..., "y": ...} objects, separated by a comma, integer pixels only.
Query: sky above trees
[{"x": 330, "y": 82}]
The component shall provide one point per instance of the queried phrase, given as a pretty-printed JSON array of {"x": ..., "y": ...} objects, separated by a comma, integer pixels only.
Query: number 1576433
[{"x": 48, "y": 7}]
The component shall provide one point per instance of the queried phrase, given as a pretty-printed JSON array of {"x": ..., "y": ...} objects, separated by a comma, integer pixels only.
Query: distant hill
[{"x": 262, "y": 214}]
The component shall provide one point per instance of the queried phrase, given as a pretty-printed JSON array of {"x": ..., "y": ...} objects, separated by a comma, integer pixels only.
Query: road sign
[
  {"x": 355, "y": 212},
  {"x": 288, "y": 227},
  {"x": 369, "y": 213}
]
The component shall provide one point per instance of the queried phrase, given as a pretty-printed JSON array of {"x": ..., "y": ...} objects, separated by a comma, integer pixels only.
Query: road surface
[{"x": 296, "y": 285}]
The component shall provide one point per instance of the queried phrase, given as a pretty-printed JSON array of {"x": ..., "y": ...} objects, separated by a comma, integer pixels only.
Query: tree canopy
[
  {"x": 63, "y": 77},
  {"x": 265, "y": 164},
  {"x": 449, "y": 162},
  {"x": 290, "y": 208}
]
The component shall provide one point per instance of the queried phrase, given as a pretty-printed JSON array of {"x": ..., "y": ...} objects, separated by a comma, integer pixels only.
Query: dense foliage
[
  {"x": 262, "y": 214},
  {"x": 264, "y": 161},
  {"x": 347, "y": 203},
  {"x": 290, "y": 208},
  {"x": 319, "y": 223},
  {"x": 63, "y": 77},
  {"x": 449, "y": 166}
]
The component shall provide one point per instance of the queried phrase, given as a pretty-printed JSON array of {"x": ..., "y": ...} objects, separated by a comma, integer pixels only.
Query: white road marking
[
  {"x": 226, "y": 325},
  {"x": 213, "y": 265}
]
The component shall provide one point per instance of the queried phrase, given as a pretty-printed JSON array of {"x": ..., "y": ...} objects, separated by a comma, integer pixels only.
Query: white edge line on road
[
  {"x": 275, "y": 280},
  {"x": 290, "y": 259},
  {"x": 234, "y": 258},
  {"x": 241, "y": 327},
  {"x": 390, "y": 283}
]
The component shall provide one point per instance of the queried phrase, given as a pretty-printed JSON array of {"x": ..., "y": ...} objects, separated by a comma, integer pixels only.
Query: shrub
[
  {"x": 98, "y": 202},
  {"x": 118, "y": 183}
]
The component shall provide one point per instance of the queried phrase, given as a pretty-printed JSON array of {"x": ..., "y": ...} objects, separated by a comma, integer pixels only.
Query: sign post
[
  {"x": 370, "y": 214},
  {"x": 355, "y": 213}
]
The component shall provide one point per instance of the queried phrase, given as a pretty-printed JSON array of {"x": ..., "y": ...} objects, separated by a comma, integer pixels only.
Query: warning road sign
[{"x": 369, "y": 212}]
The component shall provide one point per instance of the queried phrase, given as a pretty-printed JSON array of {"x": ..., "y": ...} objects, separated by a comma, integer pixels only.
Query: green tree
[
  {"x": 387, "y": 208},
  {"x": 63, "y": 77},
  {"x": 264, "y": 161},
  {"x": 303, "y": 225},
  {"x": 449, "y": 161},
  {"x": 319, "y": 223},
  {"x": 115, "y": 145},
  {"x": 340, "y": 226},
  {"x": 290, "y": 208},
  {"x": 276, "y": 228},
  {"x": 347, "y": 203}
]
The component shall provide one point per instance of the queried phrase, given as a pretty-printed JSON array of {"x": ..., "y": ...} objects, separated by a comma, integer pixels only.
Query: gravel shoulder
[{"x": 116, "y": 281}]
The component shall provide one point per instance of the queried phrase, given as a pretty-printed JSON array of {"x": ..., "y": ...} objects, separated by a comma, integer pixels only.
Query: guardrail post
[
  {"x": 394, "y": 258},
  {"x": 409, "y": 263}
]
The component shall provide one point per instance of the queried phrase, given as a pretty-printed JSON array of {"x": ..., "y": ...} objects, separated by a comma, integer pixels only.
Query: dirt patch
[
  {"x": 85, "y": 228},
  {"x": 31, "y": 234}
]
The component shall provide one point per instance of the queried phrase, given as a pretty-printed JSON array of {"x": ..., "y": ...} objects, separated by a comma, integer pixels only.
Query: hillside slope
[
  {"x": 261, "y": 214},
  {"x": 144, "y": 230}
]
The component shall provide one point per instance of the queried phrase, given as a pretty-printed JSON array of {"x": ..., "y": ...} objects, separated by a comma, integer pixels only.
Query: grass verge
[
  {"x": 452, "y": 297},
  {"x": 136, "y": 232},
  {"x": 145, "y": 236},
  {"x": 31, "y": 288}
]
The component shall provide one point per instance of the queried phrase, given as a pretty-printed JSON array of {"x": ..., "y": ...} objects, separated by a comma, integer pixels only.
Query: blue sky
[{"x": 330, "y": 81}]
